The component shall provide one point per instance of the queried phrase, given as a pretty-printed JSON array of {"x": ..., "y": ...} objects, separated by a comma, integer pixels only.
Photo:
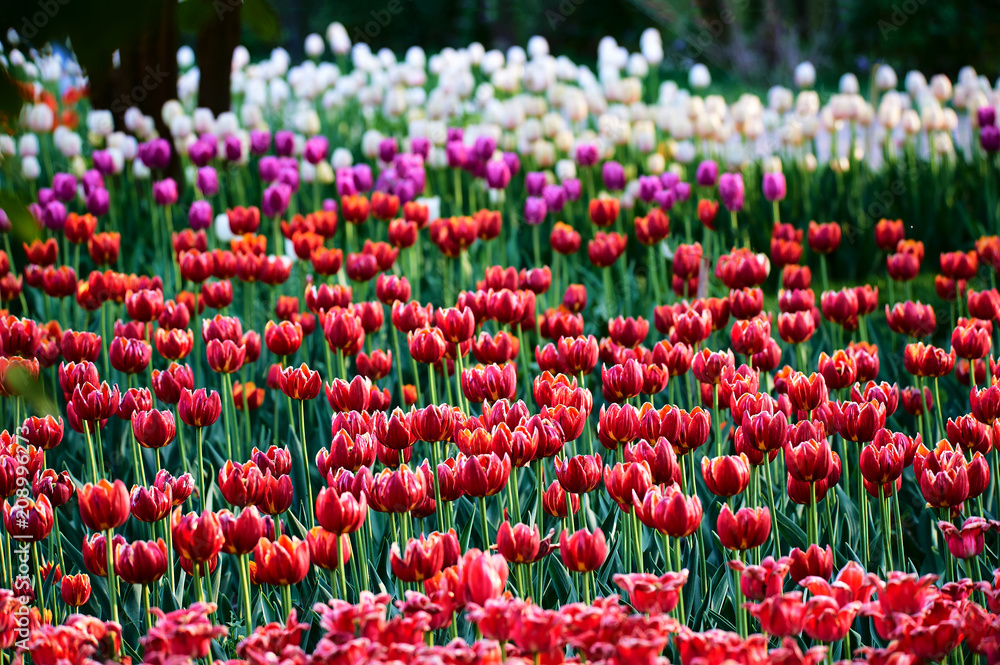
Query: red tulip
[
  {"x": 422, "y": 560},
  {"x": 141, "y": 562},
  {"x": 282, "y": 562},
  {"x": 583, "y": 551},
  {"x": 197, "y": 538},
  {"x": 340, "y": 513},
  {"x": 747, "y": 529},
  {"x": 198, "y": 408},
  {"x": 105, "y": 505},
  {"x": 29, "y": 520},
  {"x": 75, "y": 589},
  {"x": 328, "y": 550},
  {"x": 727, "y": 475},
  {"x": 240, "y": 532}
]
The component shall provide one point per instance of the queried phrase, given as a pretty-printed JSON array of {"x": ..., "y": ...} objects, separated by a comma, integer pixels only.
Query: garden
[{"x": 484, "y": 356}]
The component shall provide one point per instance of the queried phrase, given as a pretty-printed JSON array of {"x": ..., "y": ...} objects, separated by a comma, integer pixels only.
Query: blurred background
[{"x": 747, "y": 44}]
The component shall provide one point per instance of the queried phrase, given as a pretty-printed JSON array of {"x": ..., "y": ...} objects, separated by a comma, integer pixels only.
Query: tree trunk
[{"x": 218, "y": 37}]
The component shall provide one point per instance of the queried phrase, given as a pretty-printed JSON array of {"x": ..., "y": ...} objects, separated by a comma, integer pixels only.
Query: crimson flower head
[
  {"x": 622, "y": 382},
  {"x": 824, "y": 238},
  {"x": 781, "y": 615},
  {"x": 241, "y": 532},
  {"x": 758, "y": 582},
  {"x": 859, "y": 421},
  {"x": 484, "y": 475},
  {"x": 199, "y": 408},
  {"x": 282, "y": 562},
  {"x": 727, "y": 475},
  {"x": 283, "y": 338},
  {"x": 105, "y": 505},
  {"x": 521, "y": 543},
  {"x": 972, "y": 340},
  {"x": 708, "y": 366},
  {"x": 300, "y": 383},
  {"x": 813, "y": 562},
  {"x": 197, "y": 538},
  {"x": 422, "y": 558},
  {"x": 340, "y": 513},
  {"x": 747, "y": 529},
  {"x": 967, "y": 541},
  {"x": 30, "y": 520},
  {"x": 396, "y": 491},
  {"x": 985, "y": 404},
  {"x": 583, "y": 551},
  {"x": 141, "y": 562},
  {"x": 921, "y": 359},
  {"x": 912, "y": 319},
  {"x": 92, "y": 403},
  {"x": 150, "y": 504},
  {"x": 807, "y": 393},
  {"x": 651, "y": 594}
]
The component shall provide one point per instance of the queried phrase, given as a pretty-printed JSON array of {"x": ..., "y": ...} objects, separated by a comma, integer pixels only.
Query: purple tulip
[
  {"x": 5, "y": 224},
  {"x": 329, "y": 205},
  {"x": 98, "y": 201},
  {"x": 211, "y": 142},
  {"x": 665, "y": 198},
  {"x": 987, "y": 116},
  {"x": 36, "y": 213},
  {"x": 155, "y": 154},
  {"x": 284, "y": 143},
  {"x": 363, "y": 179},
  {"x": 269, "y": 167},
  {"x": 455, "y": 134},
  {"x": 64, "y": 186},
  {"x": 103, "y": 162},
  {"x": 731, "y": 191},
  {"x": 989, "y": 138},
  {"x": 513, "y": 162},
  {"x": 165, "y": 192},
  {"x": 200, "y": 215},
  {"x": 406, "y": 190},
  {"x": 455, "y": 152},
  {"x": 207, "y": 181},
  {"x": 92, "y": 180},
  {"x": 420, "y": 146},
  {"x": 497, "y": 174},
  {"x": 260, "y": 141},
  {"x": 555, "y": 197},
  {"x": 234, "y": 149},
  {"x": 316, "y": 149},
  {"x": 683, "y": 191},
  {"x": 46, "y": 196},
  {"x": 54, "y": 215},
  {"x": 534, "y": 210},
  {"x": 289, "y": 177},
  {"x": 573, "y": 189},
  {"x": 484, "y": 147},
  {"x": 613, "y": 175},
  {"x": 345, "y": 182},
  {"x": 669, "y": 179},
  {"x": 534, "y": 183},
  {"x": 476, "y": 168},
  {"x": 707, "y": 173},
  {"x": 387, "y": 149},
  {"x": 649, "y": 185},
  {"x": 774, "y": 186},
  {"x": 586, "y": 154},
  {"x": 200, "y": 153},
  {"x": 275, "y": 200}
]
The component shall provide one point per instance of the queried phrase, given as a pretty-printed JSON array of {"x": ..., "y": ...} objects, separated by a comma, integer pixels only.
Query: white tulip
[
  {"x": 30, "y": 168},
  {"x": 699, "y": 76},
  {"x": 185, "y": 57},
  {"x": 805, "y": 75}
]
